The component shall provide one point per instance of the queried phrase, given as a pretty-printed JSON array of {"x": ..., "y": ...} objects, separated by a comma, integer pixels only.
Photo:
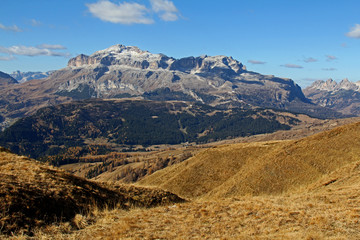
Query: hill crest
[{"x": 260, "y": 168}]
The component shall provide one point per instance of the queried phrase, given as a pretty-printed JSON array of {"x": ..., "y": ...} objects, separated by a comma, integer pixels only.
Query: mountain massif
[{"x": 343, "y": 97}]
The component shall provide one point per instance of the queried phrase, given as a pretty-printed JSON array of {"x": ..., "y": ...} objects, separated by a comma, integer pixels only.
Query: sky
[{"x": 303, "y": 40}]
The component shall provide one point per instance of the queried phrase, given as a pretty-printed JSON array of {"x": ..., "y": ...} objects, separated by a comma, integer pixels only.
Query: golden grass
[
  {"x": 33, "y": 194},
  {"x": 324, "y": 211},
  {"x": 273, "y": 167}
]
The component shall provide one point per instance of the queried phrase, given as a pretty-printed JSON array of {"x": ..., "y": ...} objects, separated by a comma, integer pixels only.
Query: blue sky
[{"x": 303, "y": 40}]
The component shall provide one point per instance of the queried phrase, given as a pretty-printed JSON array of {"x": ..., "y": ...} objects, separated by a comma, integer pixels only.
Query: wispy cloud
[
  {"x": 32, "y": 51},
  {"x": 354, "y": 32},
  {"x": 12, "y": 28},
  {"x": 310, "y": 60},
  {"x": 256, "y": 62},
  {"x": 124, "y": 13},
  {"x": 35, "y": 23},
  {"x": 289, "y": 65},
  {"x": 50, "y": 46},
  {"x": 330, "y": 58},
  {"x": 166, "y": 9},
  {"x": 329, "y": 69},
  {"x": 7, "y": 58}
]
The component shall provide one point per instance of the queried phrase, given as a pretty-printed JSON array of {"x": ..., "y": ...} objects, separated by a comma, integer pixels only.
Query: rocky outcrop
[{"x": 82, "y": 60}]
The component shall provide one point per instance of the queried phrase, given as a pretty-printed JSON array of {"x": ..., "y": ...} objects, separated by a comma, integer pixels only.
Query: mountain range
[
  {"x": 124, "y": 71},
  {"x": 343, "y": 97}
]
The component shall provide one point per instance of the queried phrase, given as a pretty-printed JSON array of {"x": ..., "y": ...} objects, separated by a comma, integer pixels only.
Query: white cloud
[
  {"x": 310, "y": 59},
  {"x": 12, "y": 28},
  {"x": 31, "y": 51},
  {"x": 163, "y": 5},
  {"x": 289, "y": 65},
  {"x": 256, "y": 62},
  {"x": 166, "y": 9},
  {"x": 330, "y": 58},
  {"x": 124, "y": 13},
  {"x": 354, "y": 32}
]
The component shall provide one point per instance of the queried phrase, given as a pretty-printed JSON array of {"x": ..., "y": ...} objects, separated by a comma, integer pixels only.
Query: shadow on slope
[
  {"x": 33, "y": 194},
  {"x": 260, "y": 168}
]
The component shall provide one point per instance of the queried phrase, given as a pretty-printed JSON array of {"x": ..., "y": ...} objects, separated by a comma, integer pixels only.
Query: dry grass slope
[
  {"x": 273, "y": 167},
  {"x": 33, "y": 194},
  {"x": 328, "y": 209}
]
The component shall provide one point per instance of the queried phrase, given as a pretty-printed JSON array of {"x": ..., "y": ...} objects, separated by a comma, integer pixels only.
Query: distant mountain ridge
[
  {"x": 26, "y": 76},
  {"x": 343, "y": 97},
  {"x": 331, "y": 85}
]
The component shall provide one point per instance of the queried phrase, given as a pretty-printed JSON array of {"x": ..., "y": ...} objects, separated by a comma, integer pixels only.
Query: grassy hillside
[
  {"x": 33, "y": 194},
  {"x": 260, "y": 168},
  {"x": 327, "y": 209}
]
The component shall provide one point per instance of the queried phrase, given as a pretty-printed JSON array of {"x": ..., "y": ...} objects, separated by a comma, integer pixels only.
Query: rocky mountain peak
[
  {"x": 119, "y": 48},
  {"x": 347, "y": 85},
  {"x": 330, "y": 85}
]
